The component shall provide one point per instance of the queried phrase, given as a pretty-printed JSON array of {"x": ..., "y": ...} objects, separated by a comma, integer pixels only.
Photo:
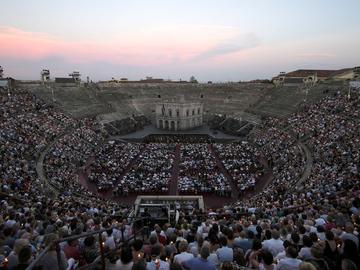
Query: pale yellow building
[{"x": 179, "y": 115}]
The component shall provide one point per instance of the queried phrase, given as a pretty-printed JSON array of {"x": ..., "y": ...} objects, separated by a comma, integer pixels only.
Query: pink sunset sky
[{"x": 231, "y": 40}]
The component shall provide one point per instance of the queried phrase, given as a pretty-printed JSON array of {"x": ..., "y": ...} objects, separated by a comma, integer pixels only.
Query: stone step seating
[
  {"x": 77, "y": 101},
  {"x": 285, "y": 100}
]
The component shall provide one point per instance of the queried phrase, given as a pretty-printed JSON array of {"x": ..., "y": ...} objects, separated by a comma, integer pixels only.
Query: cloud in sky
[
  {"x": 143, "y": 47},
  {"x": 235, "y": 44},
  {"x": 316, "y": 55},
  {"x": 210, "y": 52}
]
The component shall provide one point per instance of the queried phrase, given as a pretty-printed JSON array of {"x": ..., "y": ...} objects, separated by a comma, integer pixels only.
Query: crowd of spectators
[
  {"x": 110, "y": 164},
  {"x": 334, "y": 144},
  {"x": 199, "y": 172},
  {"x": 241, "y": 160},
  {"x": 334, "y": 141},
  {"x": 28, "y": 209},
  {"x": 152, "y": 170},
  {"x": 27, "y": 125},
  {"x": 126, "y": 168},
  {"x": 285, "y": 157},
  {"x": 229, "y": 238},
  {"x": 67, "y": 155},
  {"x": 286, "y": 226}
]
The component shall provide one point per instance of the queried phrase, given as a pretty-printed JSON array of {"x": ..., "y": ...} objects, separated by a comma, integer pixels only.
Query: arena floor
[{"x": 211, "y": 200}]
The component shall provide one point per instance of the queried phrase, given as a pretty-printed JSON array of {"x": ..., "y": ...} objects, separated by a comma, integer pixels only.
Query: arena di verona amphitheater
[{"x": 279, "y": 157}]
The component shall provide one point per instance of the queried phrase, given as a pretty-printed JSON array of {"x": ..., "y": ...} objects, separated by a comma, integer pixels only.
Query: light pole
[
  {"x": 306, "y": 94},
  {"x": 52, "y": 93},
  {"x": 9, "y": 87}
]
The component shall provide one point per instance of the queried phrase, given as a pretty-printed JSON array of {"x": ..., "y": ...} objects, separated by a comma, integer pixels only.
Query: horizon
[{"x": 221, "y": 42}]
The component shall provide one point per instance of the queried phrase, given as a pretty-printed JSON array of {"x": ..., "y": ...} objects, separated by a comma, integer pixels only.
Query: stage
[{"x": 152, "y": 130}]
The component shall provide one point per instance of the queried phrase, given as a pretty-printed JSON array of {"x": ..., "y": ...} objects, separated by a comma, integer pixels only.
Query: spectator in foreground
[
  {"x": 156, "y": 263},
  {"x": 14, "y": 255},
  {"x": 184, "y": 255},
  {"x": 290, "y": 262},
  {"x": 200, "y": 263},
  {"x": 126, "y": 259},
  {"x": 25, "y": 255}
]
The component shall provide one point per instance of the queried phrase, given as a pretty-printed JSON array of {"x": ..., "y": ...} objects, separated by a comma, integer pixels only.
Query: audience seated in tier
[
  {"x": 317, "y": 222},
  {"x": 199, "y": 172},
  {"x": 241, "y": 160}
]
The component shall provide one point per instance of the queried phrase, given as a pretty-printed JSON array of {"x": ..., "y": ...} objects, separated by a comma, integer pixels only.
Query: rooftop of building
[{"x": 319, "y": 72}]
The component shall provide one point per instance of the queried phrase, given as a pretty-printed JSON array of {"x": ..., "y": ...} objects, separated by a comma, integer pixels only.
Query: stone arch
[
  {"x": 161, "y": 123},
  {"x": 166, "y": 124},
  {"x": 172, "y": 125}
]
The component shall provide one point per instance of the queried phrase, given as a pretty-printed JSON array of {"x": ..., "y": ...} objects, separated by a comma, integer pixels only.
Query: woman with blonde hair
[{"x": 306, "y": 266}]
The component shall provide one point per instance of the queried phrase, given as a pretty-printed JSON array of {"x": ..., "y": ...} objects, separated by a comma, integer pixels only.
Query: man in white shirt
[
  {"x": 290, "y": 262},
  {"x": 225, "y": 254},
  {"x": 275, "y": 245},
  {"x": 184, "y": 255}
]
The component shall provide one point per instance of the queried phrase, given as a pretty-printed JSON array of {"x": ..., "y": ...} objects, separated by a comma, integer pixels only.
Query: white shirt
[
  {"x": 161, "y": 233},
  {"x": 305, "y": 253},
  {"x": 288, "y": 264},
  {"x": 110, "y": 242},
  {"x": 118, "y": 234},
  {"x": 120, "y": 265},
  {"x": 320, "y": 222},
  {"x": 183, "y": 257},
  {"x": 280, "y": 256},
  {"x": 274, "y": 246},
  {"x": 152, "y": 266},
  {"x": 10, "y": 223},
  {"x": 213, "y": 258}
]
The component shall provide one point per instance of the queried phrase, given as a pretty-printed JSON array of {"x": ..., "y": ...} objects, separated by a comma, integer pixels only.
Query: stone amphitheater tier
[{"x": 242, "y": 101}]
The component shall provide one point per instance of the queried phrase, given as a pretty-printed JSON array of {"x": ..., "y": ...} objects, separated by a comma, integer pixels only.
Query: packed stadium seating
[{"x": 298, "y": 220}]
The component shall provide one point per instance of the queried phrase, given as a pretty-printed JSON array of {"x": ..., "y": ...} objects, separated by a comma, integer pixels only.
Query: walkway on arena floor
[
  {"x": 41, "y": 158},
  {"x": 173, "y": 185},
  {"x": 224, "y": 171},
  {"x": 308, "y": 165}
]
